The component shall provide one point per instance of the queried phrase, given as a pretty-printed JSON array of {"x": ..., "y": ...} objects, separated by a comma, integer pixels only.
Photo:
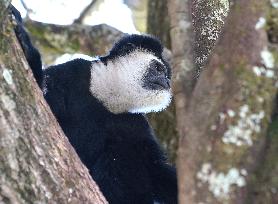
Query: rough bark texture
[
  {"x": 182, "y": 50},
  {"x": 188, "y": 47},
  {"x": 265, "y": 181},
  {"x": 208, "y": 18},
  {"x": 37, "y": 163},
  {"x": 228, "y": 113}
]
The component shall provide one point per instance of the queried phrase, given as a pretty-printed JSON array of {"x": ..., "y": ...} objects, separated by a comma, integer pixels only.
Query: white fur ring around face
[{"x": 118, "y": 85}]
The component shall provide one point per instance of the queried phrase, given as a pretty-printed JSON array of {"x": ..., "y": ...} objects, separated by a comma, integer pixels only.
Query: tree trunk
[
  {"x": 265, "y": 183},
  {"x": 208, "y": 19},
  {"x": 37, "y": 163},
  {"x": 224, "y": 126}
]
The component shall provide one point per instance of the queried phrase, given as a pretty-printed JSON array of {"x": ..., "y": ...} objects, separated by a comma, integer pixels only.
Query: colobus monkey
[{"x": 100, "y": 106}]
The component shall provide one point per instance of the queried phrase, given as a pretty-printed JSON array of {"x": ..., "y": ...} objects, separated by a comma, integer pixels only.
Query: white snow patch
[
  {"x": 220, "y": 183},
  {"x": 261, "y": 23},
  {"x": 7, "y": 74},
  {"x": 267, "y": 58},
  {"x": 248, "y": 123}
]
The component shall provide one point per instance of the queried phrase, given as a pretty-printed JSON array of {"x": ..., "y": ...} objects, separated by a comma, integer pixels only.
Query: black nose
[{"x": 161, "y": 83}]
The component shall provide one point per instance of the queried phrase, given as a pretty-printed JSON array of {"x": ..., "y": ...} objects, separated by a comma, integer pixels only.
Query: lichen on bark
[
  {"x": 208, "y": 18},
  {"x": 265, "y": 180},
  {"x": 229, "y": 98}
]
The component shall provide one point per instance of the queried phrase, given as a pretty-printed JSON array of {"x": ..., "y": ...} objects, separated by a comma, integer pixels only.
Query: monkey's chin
[{"x": 158, "y": 101}]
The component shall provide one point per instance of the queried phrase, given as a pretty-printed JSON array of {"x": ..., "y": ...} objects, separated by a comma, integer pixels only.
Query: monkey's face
[{"x": 138, "y": 83}]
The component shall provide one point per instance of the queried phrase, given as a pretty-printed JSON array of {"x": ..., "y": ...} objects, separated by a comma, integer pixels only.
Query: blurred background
[
  {"x": 224, "y": 58},
  {"x": 116, "y": 13}
]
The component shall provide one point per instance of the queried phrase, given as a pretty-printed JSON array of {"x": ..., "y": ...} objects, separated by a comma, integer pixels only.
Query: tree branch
[{"x": 88, "y": 9}]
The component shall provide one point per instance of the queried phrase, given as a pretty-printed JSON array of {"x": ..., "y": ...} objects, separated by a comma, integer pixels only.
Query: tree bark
[
  {"x": 55, "y": 40},
  {"x": 265, "y": 183},
  {"x": 208, "y": 18},
  {"x": 229, "y": 110},
  {"x": 37, "y": 163}
]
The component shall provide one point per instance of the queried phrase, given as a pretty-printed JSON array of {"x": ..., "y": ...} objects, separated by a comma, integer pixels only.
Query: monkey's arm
[{"x": 32, "y": 55}]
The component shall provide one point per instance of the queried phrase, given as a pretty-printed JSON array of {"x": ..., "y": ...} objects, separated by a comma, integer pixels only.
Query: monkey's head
[{"x": 133, "y": 77}]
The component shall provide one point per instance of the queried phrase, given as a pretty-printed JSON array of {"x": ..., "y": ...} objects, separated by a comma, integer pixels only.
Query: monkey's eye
[{"x": 158, "y": 66}]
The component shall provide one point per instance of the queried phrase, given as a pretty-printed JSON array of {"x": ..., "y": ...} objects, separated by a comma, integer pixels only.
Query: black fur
[
  {"x": 120, "y": 150},
  {"x": 31, "y": 53},
  {"x": 129, "y": 43}
]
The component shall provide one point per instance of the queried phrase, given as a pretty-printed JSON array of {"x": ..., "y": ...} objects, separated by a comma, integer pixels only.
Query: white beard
[{"x": 119, "y": 85}]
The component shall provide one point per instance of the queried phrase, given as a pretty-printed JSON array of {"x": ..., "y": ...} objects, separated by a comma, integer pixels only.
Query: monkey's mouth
[{"x": 159, "y": 84}]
